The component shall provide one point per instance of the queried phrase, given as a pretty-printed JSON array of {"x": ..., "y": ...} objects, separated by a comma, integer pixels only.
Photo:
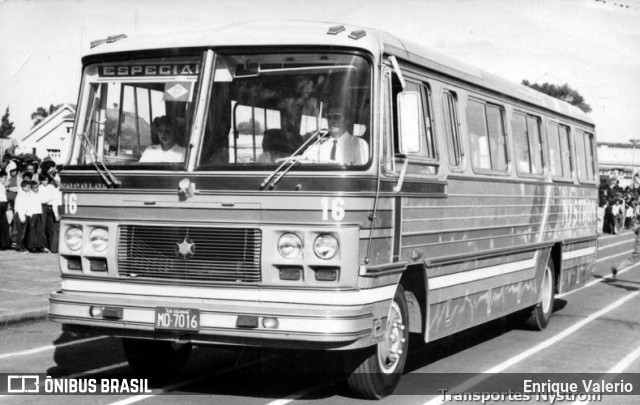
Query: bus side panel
[
  {"x": 518, "y": 221},
  {"x": 578, "y": 265}
]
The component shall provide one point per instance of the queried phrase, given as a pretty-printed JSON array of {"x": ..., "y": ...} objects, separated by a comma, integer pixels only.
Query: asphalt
[{"x": 26, "y": 280}]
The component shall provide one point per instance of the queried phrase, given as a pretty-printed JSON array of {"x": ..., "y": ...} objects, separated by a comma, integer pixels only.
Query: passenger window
[
  {"x": 427, "y": 147},
  {"x": 584, "y": 152},
  {"x": 528, "y": 142},
  {"x": 486, "y": 136},
  {"x": 451, "y": 128},
  {"x": 559, "y": 152}
]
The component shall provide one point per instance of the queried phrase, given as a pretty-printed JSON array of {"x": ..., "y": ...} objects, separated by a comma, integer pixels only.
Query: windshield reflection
[{"x": 264, "y": 107}]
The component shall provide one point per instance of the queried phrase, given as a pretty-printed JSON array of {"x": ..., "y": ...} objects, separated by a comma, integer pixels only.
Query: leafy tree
[
  {"x": 6, "y": 127},
  {"x": 564, "y": 93},
  {"x": 41, "y": 113}
]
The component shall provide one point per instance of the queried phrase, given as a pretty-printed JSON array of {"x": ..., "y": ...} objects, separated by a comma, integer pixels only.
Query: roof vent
[
  {"x": 336, "y": 29},
  {"x": 108, "y": 40},
  {"x": 357, "y": 34}
]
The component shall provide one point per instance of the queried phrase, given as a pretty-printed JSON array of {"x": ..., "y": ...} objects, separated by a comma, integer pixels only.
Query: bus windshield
[
  {"x": 265, "y": 107},
  {"x": 137, "y": 112}
]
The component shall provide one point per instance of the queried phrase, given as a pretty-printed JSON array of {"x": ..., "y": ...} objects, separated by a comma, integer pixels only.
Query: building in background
[
  {"x": 52, "y": 136},
  {"x": 619, "y": 160}
]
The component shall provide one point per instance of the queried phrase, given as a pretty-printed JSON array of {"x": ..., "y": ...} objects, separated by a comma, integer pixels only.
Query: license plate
[{"x": 177, "y": 319}]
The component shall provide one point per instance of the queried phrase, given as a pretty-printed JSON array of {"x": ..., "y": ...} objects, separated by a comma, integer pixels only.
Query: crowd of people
[
  {"x": 619, "y": 208},
  {"x": 30, "y": 199}
]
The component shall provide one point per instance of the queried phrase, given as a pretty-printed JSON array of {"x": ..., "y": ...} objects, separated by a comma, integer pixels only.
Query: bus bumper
[{"x": 303, "y": 319}]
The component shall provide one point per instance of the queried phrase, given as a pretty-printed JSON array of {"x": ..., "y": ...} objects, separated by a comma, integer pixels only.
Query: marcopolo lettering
[{"x": 160, "y": 69}]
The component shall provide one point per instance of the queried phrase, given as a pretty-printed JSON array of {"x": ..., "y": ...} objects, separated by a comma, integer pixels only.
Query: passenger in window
[
  {"x": 300, "y": 110},
  {"x": 165, "y": 147},
  {"x": 275, "y": 146},
  {"x": 340, "y": 147}
]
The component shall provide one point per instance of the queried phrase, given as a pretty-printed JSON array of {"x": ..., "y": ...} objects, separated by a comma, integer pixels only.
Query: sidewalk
[{"x": 26, "y": 279}]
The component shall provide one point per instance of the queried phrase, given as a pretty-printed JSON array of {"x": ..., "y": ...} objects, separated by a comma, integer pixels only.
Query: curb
[{"x": 24, "y": 316}]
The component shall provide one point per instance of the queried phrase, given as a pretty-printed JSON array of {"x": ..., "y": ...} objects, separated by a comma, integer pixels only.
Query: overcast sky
[{"x": 594, "y": 46}]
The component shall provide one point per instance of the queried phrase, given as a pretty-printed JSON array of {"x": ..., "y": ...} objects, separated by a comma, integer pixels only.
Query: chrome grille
[{"x": 221, "y": 254}]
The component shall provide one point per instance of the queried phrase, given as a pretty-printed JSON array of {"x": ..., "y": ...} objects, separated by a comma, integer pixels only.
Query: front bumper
[{"x": 315, "y": 319}]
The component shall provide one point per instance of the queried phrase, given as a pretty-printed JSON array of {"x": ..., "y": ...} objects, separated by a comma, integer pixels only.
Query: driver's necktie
[{"x": 333, "y": 150}]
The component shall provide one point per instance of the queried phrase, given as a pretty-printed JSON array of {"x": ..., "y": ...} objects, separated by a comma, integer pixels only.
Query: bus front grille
[{"x": 189, "y": 253}]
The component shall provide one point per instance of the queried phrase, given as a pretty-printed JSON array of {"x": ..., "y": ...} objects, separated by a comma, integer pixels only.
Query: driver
[
  {"x": 341, "y": 147},
  {"x": 165, "y": 148}
]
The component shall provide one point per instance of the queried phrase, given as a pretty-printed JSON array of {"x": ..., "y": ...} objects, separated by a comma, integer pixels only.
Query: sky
[{"x": 592, "y": 45}]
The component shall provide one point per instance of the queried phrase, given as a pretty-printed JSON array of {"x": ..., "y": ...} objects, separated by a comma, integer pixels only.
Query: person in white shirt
[
  {"x": 21, "y": 211},
  {"x": 51, "y": 198},
  {"x": 34, "y": 238},
  {"x": 341, "y": 147},
  {"x": 166, "y": 149},
  {"x": 5, "y": 234}
]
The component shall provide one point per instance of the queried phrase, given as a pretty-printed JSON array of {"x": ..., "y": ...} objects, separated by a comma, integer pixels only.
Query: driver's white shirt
[
  {"x": 349, "y": 150},
  {"x": 154, "y": 153}
]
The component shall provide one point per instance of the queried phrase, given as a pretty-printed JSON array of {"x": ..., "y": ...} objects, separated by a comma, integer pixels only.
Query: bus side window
[
  {"x": 452, "y": 134},
  {"x": 427, "y": 153},
  {"x": 487, "y": 138},
  {"x": 528, "y": 143},
  {"x": 559, "y": 151},
  {"x": 584, "y": 154}
]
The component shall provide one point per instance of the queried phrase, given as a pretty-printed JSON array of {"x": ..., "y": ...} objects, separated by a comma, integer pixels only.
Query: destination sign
[{"x": 159, "y": 69}]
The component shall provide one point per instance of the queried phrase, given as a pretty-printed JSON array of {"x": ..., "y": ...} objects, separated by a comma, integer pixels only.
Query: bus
[{"x": 470, "y": 197}]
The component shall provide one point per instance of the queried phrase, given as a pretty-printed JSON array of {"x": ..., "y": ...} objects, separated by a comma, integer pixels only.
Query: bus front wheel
[
  {"x": 540, "y": 314},
  {"x": 156, "y": 359},
  {"x": 375, "y": 372}
]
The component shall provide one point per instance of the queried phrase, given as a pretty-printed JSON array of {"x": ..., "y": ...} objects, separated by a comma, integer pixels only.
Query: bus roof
[{"x": 315, "y": 33}]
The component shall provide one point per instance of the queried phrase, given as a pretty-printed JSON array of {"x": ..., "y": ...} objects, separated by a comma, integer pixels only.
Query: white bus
[{"x": 471, "y": 197}]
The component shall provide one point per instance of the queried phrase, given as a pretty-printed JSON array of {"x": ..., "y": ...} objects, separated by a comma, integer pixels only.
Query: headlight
[
  {"x": 325, "y": 246},
  {"x": 289, "y": 246},
  {"x": 73, "y": 237},
  {"x": 99, "y": 238}
]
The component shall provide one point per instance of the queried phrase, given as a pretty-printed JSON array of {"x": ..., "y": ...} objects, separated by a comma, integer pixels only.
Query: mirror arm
[
  {"x": 403, "y": 172},
  {"x": 396, "y": 68}
]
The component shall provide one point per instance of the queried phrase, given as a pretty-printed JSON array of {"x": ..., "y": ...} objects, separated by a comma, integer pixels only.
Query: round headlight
[
  {"x": 325, "y": 246},
  {"x": 73, "y": 237},
  {"x": 289, "y": 246},
  {"x": 99, "y": 238}
]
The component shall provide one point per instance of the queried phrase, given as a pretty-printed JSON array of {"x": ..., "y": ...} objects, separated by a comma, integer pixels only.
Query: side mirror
[{"x": 409, "y": 116}]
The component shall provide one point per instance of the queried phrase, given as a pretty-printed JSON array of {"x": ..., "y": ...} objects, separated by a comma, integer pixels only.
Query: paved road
[{"x": 594, "y": 330}]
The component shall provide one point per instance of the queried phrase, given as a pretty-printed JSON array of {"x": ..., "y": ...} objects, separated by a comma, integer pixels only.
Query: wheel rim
[
  {"x": 391, "y": 348},
  {"x": 546, "y": 292}
]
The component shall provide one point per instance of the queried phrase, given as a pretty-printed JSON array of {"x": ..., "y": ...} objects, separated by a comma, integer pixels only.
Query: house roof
[{"x": 66, "y": 111}]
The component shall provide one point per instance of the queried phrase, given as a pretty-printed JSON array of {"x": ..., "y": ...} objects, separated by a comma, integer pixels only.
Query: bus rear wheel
[
  {"x": 540, "y": 314},
  {"x": 375, "y": 372},
  {"x": 155, "y": 359}
]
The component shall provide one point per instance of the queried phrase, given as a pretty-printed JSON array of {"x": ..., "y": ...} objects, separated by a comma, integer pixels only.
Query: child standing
[
  {"x": 35, "y": 231},
  {"x": 21, "y": 216}
]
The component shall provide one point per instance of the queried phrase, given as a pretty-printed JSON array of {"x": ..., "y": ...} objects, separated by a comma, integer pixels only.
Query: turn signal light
[
  {"x": 326, "y": 274},
  {"x": 290, "y": 273}
]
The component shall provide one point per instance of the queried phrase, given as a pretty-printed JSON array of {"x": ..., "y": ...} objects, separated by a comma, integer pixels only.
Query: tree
[
  {"x": 41, "y": 113},
  {"x": 564, "y": 93},
  {"x": 6, "y": 127}
]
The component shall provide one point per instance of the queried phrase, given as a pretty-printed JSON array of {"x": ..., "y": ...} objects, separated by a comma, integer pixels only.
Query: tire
[
  {"x": 375, "y": 372},
  {"x": 155, "y": 359},
  {"x": 540, "y": 314}
]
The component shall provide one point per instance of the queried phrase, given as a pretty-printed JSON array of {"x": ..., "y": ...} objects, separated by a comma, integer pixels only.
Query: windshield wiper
[
  {"x": 109, "y": 178},
  {"x": 291, "y": 160}
]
